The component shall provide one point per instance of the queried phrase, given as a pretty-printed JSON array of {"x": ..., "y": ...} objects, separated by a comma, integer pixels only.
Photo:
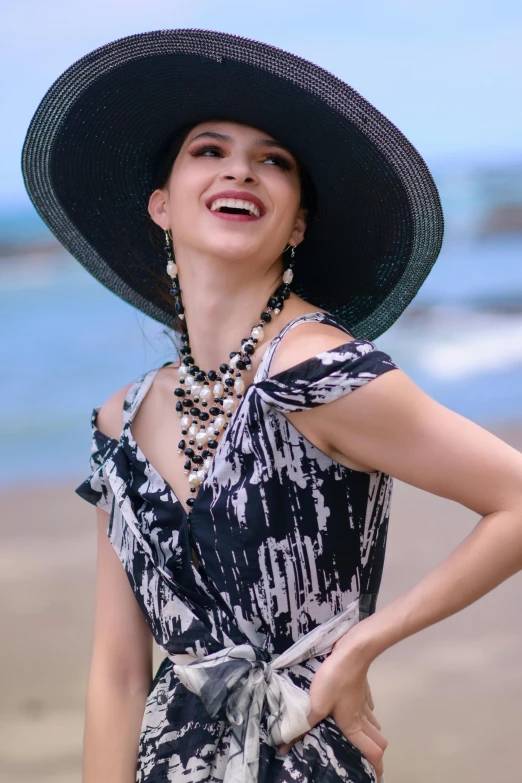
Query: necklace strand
[{"x": 205, "y": 401}]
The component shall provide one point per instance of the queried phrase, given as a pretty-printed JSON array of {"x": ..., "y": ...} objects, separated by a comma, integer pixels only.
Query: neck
[{"x": 223, "y": 300}]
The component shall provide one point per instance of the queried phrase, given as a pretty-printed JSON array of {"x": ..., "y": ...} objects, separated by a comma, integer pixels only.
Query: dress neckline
[{"x": 138, "y": 391}]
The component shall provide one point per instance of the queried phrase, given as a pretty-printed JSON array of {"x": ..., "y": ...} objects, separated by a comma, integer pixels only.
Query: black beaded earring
[{"x": 172, "y": 271}]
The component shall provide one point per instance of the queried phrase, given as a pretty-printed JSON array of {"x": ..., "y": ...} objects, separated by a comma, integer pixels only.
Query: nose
[{"x": 239, "y": 169}]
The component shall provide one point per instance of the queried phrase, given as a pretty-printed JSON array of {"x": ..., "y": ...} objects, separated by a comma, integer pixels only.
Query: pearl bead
[
  {"x": 207, "y": 463},
  {"x": 184, "y": 421},
  {"x": 194, "y": 480},
  {"x": 233, "y": 361},
  {"x": 172, "y": 270},
  {"x": 258, "y": 333},
  {"x": 220, "y": 420},
  {"x": 239, "y": 386},
  {"x": 205, "y": 393},
  {"x": 182, "y": 370},
  {"x": 211, "y": 431},
  {"x": 229, "y": 404},
  {"x": 200, "y": 474},
  {"x": 193, "y": 430},
  {"x": 218, "y": 389},
  {"x": 196, "y": 388},
  {"x": 276, "y": 311},
  {"x": 288, "y": 276},
  {"x": 201, "y": 438}
]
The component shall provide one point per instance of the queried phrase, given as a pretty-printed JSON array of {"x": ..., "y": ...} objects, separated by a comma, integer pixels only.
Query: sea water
[{"x": 67, "y": 344}]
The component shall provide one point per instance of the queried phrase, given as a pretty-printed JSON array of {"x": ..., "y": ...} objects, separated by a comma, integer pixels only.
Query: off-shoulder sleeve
[
  {"x": 326, "y": 376},
  {"x": 96, "y": 489}
]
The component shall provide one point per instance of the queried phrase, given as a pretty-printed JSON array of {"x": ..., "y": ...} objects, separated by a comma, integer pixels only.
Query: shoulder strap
[
  {"x": 136, "y": 394},
  {"x": 264, "y": 366}
]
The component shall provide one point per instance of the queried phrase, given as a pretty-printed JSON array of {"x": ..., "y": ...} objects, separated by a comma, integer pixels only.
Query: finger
[
  {"x": 286, "y": 747},
  {"x": 369, "y": 749},
  {"x": 369, "y": 696},
  {"x": 379, "y": 770},
  {"x": 371, "y": 717},
  {"x": 374, "y": 734}
]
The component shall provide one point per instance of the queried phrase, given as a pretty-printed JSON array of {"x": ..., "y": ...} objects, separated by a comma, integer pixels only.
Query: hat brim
[{"x": 94, "y": 144}]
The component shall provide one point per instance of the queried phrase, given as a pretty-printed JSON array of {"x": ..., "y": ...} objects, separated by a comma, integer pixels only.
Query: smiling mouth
[{"x": 235, "y": 206}]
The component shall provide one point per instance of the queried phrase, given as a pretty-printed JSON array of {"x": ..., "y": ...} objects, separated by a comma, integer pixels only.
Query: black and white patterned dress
[{"x": 287, "y": 539}]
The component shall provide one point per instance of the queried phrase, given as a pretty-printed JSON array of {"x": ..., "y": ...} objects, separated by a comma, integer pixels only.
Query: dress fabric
[{"x": 287, "y": 540}]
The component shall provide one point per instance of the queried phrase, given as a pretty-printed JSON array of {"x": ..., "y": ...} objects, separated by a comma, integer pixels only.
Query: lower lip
[{"x": 238, "y": 218}]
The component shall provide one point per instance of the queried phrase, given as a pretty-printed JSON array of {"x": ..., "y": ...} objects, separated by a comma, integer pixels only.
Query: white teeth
[{"x": 235, "y": 203}]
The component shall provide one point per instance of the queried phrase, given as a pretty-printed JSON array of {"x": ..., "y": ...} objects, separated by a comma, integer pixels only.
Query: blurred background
[{"x": 448, "y": 74}]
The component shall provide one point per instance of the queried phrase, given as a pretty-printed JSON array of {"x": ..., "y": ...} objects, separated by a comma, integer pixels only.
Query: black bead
[
  {"x": 191, "y": 370},
  {"x": 212, "y": 444},
  {"x": 272, "y": 302},
  {"x": 285, "y": 293},
  {"x": 187, "y": 360},
  {"x": 200, "y": 376},
  {"x": 187, "y": 403},
  {"x": 212, "y": 375},
  {"x": 185, "y": 350},
  {"x": 187, "y": 465},
  {"x": 184, "y": 337},
  {"x": 214, "y": 411},
  {"x": 232, "y": 354},
  {"x": 181, "y": 445},
  {"x": 179, "y": 392},
  {"x": 206, "y": 453},
  {"x": 240, "y": 364},
  {"x": 175, "y": 291},
  {"x": 279, "y": 305},
  {"x": 179, "y": 407},
  {"x": 183, "y": 432},
  {"x": 198, "y": 459},
  {"x": 193, "y": 489},
  {"x": 190, "y": 501},
  {"x": 248, "y": 348},
  {"x": 178, "y": 307},
  {"x": 229, "y": 381},
  {"x": 191, "y": 441},
  {"x": 194, "y": 411},
  {"x": 223, "y": 367},
  {"x": 189, "y": 452},
  {"x": 203, "y": 416},
  {"x": 229, "y": 414},
  {"x": 266, "y": 317}
]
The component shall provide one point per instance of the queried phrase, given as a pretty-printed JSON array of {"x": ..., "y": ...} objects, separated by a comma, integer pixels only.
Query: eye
[
  {"x": 280, "y": 160},
  {"x": 201, "y": 151}
]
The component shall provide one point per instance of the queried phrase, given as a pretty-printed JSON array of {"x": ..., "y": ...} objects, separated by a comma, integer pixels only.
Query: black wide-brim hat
[{"x": 95, "y": 142}]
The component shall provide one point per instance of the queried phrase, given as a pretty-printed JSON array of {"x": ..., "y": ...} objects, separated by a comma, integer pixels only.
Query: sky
[{"x": 446, "y": 72}]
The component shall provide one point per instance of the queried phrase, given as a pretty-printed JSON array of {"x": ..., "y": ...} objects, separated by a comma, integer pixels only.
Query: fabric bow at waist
[{"x": 250, "y": 684}]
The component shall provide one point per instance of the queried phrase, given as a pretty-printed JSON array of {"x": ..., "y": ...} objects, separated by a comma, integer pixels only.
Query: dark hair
[{"x": 162, "y": 174}]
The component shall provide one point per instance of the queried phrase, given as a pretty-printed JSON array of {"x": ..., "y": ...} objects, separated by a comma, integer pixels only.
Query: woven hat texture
[{"x": 95, "y": 141}]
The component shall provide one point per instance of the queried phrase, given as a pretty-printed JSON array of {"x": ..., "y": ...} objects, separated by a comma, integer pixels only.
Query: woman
[{"x": 243, "y": 488}]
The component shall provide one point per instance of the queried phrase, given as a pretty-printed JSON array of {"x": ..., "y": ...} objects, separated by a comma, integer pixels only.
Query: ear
[
  {"x": 158, "y": 209},
  {"x": 297, "y": 235}
]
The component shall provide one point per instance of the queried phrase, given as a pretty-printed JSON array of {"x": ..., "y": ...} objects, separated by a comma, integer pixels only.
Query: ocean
[{"x": 67, "y": 344}]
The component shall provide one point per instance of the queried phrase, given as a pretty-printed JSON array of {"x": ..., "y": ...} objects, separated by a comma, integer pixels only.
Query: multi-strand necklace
[{"x": 205, "y": 401}]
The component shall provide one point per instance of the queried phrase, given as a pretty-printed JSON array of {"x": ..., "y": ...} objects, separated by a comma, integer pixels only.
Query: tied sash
[{"x": 249, "y": 684}]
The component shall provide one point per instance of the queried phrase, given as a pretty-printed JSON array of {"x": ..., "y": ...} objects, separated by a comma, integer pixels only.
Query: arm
[
  {"x": 121, "y": 666},
  {"x": 392, "y": 425}
]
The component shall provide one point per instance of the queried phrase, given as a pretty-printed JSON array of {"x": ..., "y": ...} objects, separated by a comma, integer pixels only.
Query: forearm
[
  {"x": 490, "y": 554},
  {"x": 113, "y": 720}
]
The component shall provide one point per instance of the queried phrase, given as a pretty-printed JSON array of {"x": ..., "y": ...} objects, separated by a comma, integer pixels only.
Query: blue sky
[{"x": 448, "y": 73}]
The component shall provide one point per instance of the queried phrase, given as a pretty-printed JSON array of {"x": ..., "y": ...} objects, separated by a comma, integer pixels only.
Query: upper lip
[{"x": 240, "y": 194}]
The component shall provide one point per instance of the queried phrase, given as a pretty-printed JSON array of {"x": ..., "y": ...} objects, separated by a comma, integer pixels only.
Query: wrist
[{"x": 359, "y": 645}]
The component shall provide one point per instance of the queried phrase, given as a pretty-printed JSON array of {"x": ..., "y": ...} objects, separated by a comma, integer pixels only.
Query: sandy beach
[{"x": 449, "y": 699}]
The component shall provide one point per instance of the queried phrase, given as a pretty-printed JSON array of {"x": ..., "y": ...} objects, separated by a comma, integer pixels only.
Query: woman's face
[{"x": 222, "y": 160}]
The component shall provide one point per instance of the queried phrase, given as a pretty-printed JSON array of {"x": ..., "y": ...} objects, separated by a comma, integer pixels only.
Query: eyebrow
[{"x": 260, "y": 142}]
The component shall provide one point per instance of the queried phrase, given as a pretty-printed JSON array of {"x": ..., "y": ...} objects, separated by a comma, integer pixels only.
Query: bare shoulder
[
  {"x": 304, "y": 341},
  {"x": 110, "y": 415}
]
